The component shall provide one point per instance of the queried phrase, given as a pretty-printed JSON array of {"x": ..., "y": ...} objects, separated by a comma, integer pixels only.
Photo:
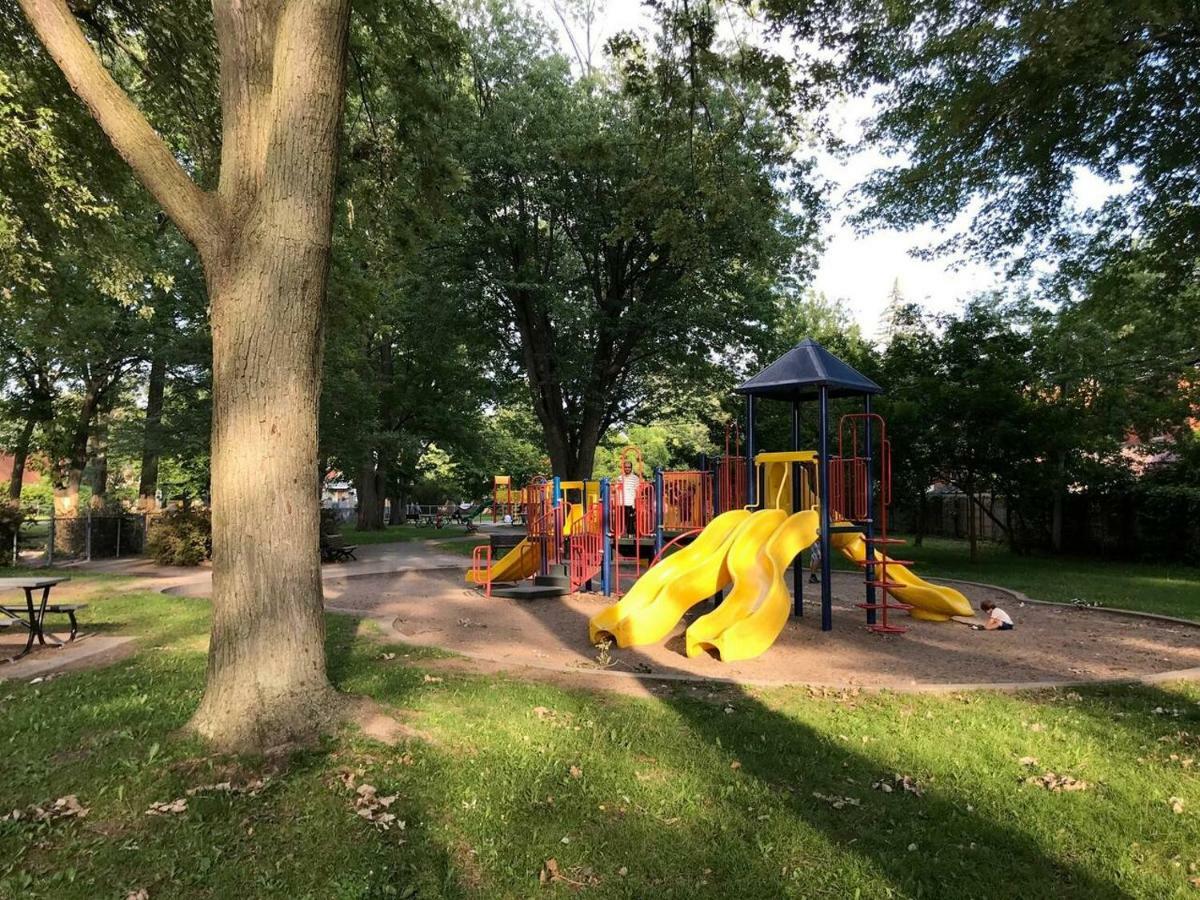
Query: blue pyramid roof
[{"x": 802, "y": 371}]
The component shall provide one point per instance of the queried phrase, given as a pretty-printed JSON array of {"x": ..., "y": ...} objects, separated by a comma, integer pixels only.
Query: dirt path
[{"x": 1049, "y": 644}]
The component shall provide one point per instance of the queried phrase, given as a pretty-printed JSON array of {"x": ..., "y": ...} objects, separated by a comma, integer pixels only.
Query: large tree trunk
[
  {"x": 20, "y": 456},
  {"x": 264, "y": 238},
  {"x": 152, "y": 435},
  {"x": 99, "y": 479},
  {"x": 371, "y": 485},
  {"x": 70, "y": 471}
]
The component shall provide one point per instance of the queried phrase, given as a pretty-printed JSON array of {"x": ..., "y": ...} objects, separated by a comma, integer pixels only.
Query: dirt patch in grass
[{"x": 437, "y": 609}]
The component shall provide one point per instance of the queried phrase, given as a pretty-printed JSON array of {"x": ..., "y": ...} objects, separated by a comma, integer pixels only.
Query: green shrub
[
  {"x": 10, "y": 521},
  {"x": 181, "y": 537}
]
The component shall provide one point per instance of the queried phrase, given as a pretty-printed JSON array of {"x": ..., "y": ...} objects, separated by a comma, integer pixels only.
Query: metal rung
[
  {"x": 887, "y": 629},
  {"x": 903, "y": 607},
  {"x": 888, "y": 562},
  {"x": 885, "y": 540},
  {"x": 887, "y": 585}
]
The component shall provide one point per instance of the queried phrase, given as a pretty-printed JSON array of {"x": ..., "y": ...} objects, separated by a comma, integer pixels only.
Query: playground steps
[
  {"x": 556, "y": 583},
  {"x": 528, "y": 590}
]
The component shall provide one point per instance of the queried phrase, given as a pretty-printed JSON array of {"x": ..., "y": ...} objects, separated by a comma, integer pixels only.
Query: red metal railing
[
  {"x": 671, "y": 543},
  {"x": 643, "y": 525},
  {"x": 687, "y": 500},
  {"x": 587, "y": 547},
  {"x": 477, "y": 568}
]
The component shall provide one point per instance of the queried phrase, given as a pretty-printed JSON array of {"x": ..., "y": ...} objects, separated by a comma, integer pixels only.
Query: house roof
[{"x": 801, "y": 372}]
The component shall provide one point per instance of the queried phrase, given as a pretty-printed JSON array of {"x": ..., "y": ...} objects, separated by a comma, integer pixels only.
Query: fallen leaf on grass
[
  {"x": 67, "y": 807},
  {"x": 1195, "y": 882},
  {"x": 370, "y": 806},
  {"x": 387, "y": 657},
  {"x": 541, "y": 712},
  {"x": 1028, "y": 760},
  {"x": 432, "y": 679},
  {"x": 1052, "y": 782},
  {"x": 139, "y": 894},
  {"x": 735, "y": 765},
  {"x": 835, "y": 801},
  {"x": 173, "y": 808},
  {"x": 575, "y": 771},
  {"x": 899, "y": 782},
  {"x": 1176, "y": 805},
  {"x": 250, "y": 788}
]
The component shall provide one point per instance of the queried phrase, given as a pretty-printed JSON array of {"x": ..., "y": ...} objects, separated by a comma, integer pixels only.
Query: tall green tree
[
  {"x": 620, "y": 229},
  {"x": 262, "y": 230}
]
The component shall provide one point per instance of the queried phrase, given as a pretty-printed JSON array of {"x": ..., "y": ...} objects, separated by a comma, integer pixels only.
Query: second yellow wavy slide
[
  {"x": 757, "y": 609},
  {"x": 653, "y": 605}
]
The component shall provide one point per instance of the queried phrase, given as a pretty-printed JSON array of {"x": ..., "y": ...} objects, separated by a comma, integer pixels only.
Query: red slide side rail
[{"x": 477, "y": 568}]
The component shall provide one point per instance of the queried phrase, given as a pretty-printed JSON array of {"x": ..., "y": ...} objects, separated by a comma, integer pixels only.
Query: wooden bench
[{"x": 335, "y": 549}]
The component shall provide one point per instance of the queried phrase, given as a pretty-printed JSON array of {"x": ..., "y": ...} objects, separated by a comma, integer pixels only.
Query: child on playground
[
  {"x": 998, "y": 619},
  {"x": 814, "y": 563}
]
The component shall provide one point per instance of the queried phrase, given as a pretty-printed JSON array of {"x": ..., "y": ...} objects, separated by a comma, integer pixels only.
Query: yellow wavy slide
[
  {"x": 524, "y": 560},
  {"x": 657, "y": 600},
  {"x": 931, "y": 602},
  {"x": 750, "y": 619}
]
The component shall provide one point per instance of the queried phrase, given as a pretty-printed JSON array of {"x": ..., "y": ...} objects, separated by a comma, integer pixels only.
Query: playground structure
[{"x": 737, "y": 522}]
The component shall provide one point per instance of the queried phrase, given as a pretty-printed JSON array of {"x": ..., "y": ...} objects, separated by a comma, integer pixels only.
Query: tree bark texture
[
  {"x": 372, "y": 487},
  {"x": 152, "y": 435},
  {"x": 20, "y": 456},
  {"x": 264, "y": 239},
  {"x": 99, "y": 459}
]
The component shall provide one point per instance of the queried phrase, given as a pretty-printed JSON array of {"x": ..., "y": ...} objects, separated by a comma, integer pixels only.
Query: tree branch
[{"x": 127, "y": 129}]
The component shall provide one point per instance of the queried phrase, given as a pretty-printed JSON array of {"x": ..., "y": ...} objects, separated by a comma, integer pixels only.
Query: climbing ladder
[{"x": 853, "y": 498}]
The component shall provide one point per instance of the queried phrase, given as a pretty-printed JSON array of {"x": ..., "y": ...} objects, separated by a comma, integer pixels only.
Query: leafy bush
[
  {"x": 10, "y": 520},
  {"x": 181, "y": 537}
]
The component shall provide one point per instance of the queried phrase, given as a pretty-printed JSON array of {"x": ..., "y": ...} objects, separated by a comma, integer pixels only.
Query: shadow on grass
[{"x": 802, "y": 762}]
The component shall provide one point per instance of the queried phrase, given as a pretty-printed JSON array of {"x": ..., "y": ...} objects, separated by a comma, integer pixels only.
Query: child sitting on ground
[{"x": 998, "y": 619}]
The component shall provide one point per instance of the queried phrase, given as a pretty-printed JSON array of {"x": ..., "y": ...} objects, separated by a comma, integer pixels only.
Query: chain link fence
[{"x": 45, "y": 540}]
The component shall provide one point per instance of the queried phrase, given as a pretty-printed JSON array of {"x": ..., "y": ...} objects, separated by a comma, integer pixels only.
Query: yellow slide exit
[
  {"x": 670, "y": 588},
  {"x": 931, "y": 602},
  {"x": 750, "y": 619}
]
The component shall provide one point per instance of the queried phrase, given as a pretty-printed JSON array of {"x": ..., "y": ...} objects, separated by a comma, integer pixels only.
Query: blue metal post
[
  {"x": 823, "y": 467},
  {"x": 869, "y": 569},
  {"x": 798, "y": 562},
  {"x": 659, "y": 496},
  {"x": 606, "y": 539},
  {"x": 751, "y": 481},
  {"x": 555, "y": 534}
]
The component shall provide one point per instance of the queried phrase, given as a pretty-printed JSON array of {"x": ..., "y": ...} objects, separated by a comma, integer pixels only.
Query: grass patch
[
  {"x": 1170, "y": 590},
  {"x": 700, "y": 792}
]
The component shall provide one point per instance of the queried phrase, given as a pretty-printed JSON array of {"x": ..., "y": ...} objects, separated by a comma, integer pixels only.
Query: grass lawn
[
  {"x": 1149, "y": 587},
  {"x": 696, "y": 793}
]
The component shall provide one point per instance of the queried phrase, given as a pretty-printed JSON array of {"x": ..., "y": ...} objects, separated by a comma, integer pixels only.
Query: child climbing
[{"x": 814, "y": 563}]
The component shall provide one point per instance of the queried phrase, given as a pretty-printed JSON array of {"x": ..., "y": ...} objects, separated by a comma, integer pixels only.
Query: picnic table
[{"x": 32, "y": 616}]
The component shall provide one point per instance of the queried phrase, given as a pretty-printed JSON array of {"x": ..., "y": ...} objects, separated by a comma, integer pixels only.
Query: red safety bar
[
  {"x": 477, "y": 569},
  {"x": 731, "y": 472},
  {"x": 687, "y": 500},
  {"x": 587, "y": 547},
  {"x": 671, "y": 543}
]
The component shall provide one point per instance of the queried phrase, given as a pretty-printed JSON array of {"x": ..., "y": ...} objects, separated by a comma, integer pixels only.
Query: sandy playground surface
[{"x": 437, "y": 608}]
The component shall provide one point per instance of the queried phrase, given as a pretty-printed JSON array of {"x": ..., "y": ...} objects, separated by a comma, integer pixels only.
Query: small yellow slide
[
  {"x": 750, "y": 619},
  {"x": 524, "y": 560},
  {"x": 931, "y": 602},
  {"x": 657, "y": 600}
]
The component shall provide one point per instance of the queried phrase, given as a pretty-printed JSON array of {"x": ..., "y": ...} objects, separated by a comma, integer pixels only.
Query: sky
[{"x": 858, "y": 269}]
